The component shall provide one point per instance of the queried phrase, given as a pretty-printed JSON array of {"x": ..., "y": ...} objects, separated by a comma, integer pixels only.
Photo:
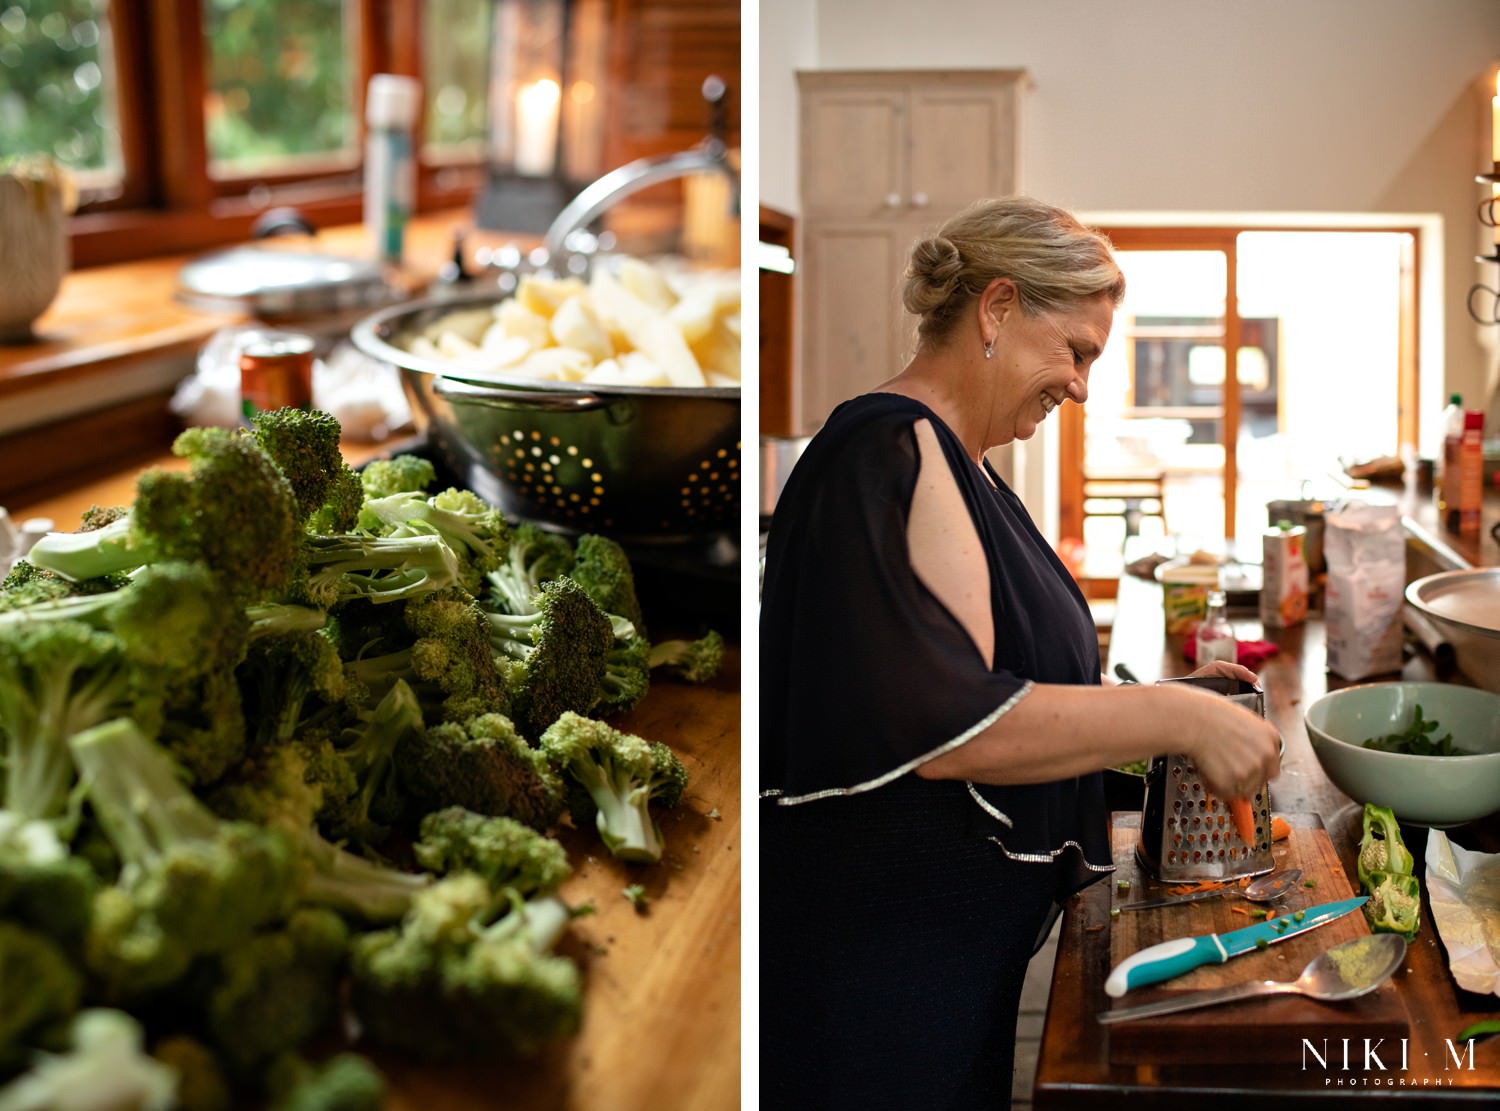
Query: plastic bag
[{"x": 363, "y": 394}]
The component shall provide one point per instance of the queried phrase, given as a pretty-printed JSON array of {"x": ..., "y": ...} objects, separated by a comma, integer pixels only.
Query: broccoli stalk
[
  {"x": 559, "y": 654},
  {"x": 1381, "y": 848},
  {"x": 105, "y": 1065},
  {"x": 620, "y": 775}
]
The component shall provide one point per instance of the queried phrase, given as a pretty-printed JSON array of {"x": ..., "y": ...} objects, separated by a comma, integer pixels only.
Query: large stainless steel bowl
[
  {"x": 1464, "y": 606},
  {"x": 641, "y": 464}
]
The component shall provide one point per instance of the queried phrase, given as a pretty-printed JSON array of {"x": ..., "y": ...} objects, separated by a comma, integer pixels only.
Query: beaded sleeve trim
[
  {"x": 896, "y": 773},
  {"x": 1049, "y": 857}
]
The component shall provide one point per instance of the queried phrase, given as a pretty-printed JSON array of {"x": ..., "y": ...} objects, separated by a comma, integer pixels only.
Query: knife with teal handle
[{"x": 1172, "y": 958}]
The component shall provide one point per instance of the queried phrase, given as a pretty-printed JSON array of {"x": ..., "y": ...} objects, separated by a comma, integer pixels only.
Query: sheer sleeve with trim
[{"x": 865, "y": 674}]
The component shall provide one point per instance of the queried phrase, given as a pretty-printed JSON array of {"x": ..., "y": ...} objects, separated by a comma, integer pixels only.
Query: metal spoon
[
  {"x": 1266, "y": 889},
  {"x": 1346, "y": 971}
]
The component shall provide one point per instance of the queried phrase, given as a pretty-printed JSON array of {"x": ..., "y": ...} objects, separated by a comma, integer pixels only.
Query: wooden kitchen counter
[
  {"x": 1074, "y": 1068},
  {"x": 661, "y": 1028}
]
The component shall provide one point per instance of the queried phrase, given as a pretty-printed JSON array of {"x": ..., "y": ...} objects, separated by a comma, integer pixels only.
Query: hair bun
[{"x": 933, "y": 274}]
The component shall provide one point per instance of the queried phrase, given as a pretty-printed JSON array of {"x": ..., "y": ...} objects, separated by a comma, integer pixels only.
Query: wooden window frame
[
  {"x": 169, "y": 201},
  {"x": 1226, "y": 239}
]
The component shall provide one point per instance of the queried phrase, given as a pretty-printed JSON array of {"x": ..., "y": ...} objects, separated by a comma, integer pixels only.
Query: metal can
[{"x": 275, "y": 373}]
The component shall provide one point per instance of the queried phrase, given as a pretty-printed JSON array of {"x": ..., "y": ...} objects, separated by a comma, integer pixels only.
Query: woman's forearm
[{"x": 1056, "y": 732}]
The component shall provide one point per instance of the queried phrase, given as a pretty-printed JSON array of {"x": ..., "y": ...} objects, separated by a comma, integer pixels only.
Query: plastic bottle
[
  {"x": 1447, "y": 470},
  {"x": 391, "y": 106},
  {"x": 1471, "y": 472},
  {"x": 1215, "y": 636}
]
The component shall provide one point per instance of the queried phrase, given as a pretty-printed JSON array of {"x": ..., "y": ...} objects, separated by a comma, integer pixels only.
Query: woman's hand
[
  {"x": 1228, "y": 670},
  {"x": 1235, "y": 749}
]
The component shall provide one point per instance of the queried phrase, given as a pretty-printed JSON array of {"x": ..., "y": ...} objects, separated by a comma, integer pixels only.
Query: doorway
[{"x": 1320, "y": 327}]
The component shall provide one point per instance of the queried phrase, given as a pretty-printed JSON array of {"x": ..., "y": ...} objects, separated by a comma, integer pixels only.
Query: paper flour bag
[{"x": 1366, "y": 553}]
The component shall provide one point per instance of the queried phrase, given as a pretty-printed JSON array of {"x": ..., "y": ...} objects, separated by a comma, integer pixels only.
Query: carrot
[
  {"x": 1281, "y": 829},
  {"x": 1244, "y": 819},
  {"x": 1194, "y": 888},
  {"x": 1240, "y": 910}
]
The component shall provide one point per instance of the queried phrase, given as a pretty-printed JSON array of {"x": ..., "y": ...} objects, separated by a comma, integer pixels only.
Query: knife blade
[
  {"x": 1172, "y": 958},
  {"x": 1172, "y": 900}
]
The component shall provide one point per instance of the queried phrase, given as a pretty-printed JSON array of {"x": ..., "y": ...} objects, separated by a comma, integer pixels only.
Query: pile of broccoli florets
[{"x": 283, "y": 744}]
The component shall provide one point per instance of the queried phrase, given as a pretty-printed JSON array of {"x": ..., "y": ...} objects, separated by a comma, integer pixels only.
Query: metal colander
[
  {"x": 1186, "y": 832},
  {"x": 641, "y": 464}
]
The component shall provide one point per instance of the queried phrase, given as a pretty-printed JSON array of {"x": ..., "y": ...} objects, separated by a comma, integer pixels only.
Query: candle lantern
[{"x": 546, "y": 109}]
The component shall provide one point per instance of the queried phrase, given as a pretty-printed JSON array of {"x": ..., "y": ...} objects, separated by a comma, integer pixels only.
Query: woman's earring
[{"x": 989, "y": 350}]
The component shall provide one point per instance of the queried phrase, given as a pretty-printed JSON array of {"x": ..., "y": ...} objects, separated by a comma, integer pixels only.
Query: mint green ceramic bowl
[{"x": 1438, "y": 791}]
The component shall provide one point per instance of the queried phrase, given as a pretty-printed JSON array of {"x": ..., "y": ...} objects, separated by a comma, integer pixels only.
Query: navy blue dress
[{"x": 897, "y": 914}]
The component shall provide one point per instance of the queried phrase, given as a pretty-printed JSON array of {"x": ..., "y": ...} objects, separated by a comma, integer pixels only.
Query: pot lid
[{"x": 269, "y": 282}]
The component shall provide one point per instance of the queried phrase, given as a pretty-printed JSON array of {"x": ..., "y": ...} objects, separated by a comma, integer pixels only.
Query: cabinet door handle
[
  {"x": 919, "y": 200},
  {"x": 893, "y": 200}
]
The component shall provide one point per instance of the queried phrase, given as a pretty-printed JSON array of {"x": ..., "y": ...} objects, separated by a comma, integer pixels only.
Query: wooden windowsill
[{"x": 112, "y": 316}]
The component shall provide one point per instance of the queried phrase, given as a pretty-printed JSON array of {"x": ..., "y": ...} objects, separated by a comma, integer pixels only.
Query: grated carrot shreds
[
  {"x": 1240, "y": 910},
  {"x": 1194, "y": 888}
]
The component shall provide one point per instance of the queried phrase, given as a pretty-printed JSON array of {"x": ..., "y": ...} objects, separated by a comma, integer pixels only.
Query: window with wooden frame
[{"x": 185, "y": 119}]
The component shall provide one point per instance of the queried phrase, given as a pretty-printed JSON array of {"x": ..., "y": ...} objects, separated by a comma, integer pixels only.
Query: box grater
[{"x": 1186, "y": 832}]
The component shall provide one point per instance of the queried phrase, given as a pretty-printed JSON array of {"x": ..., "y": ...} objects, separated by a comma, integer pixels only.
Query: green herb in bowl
[{"x": 1416, "y": 739}]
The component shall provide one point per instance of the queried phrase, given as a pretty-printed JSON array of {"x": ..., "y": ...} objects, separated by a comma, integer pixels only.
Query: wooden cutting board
[{"x": 1264, "y": 1029}]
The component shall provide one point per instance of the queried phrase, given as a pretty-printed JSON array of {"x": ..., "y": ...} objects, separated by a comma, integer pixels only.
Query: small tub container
[{"x": 1184, "y": 593}]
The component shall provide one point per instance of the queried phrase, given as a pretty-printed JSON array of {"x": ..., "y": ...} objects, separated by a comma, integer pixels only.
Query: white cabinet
[{"x": 886, "y": 156}]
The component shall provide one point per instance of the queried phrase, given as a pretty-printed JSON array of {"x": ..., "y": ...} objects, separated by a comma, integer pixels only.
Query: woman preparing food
[{"x": 932, "y": 719}]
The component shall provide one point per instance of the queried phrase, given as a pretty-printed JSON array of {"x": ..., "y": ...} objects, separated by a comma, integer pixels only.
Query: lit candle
[
  {"x": 1495, "y": 123},
  {"x": 536, "y": 126}
]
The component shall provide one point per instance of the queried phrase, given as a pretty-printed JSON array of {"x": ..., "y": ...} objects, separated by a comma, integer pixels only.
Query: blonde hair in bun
[{"x": 1054, "y": 260}]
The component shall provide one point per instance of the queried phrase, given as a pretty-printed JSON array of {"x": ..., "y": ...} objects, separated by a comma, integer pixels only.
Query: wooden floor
[{"x": 1029, "y": 1025}]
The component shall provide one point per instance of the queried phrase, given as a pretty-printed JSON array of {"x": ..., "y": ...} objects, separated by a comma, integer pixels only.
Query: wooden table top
[{"x": 1074, "y": 1068}]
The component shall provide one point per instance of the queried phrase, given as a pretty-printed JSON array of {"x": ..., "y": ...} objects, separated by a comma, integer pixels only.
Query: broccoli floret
[
  {"x": 345, "y": 567},
  {"x": 475, "y": 531},
  {"x": 190, "y": 884},
  {"x": 98, "y": 516},
  {"x": 276, "y": 990},
  {"x": 58, "y": 678},
  {"x": 562, "y": 651},
  {"x": 636, "y": 894},
  {"x": 478, "y": 966},
  {"x": 41, "y": 984},
  {"x": 42, "y": 885},
  {"x": 369, "y": 750},
  {"x": 345, "y": 1082},
  {"x": 603, "y": 569},
  {"x": 627, "y": 675},
  {"x": 697, "y": 661},
  {"x": 452, "y": 652},
  {"x": 535, "y": 557},
  {"x": 233, "y": 512},
  {"x": 278, "y": 677},
  {"x": 1395, "y": 905},
  {"x": 278, "y": 795},
  {"x": 504, "y": 852},
  {"x": 304, "y": 445},
  {"x": 106, "y": 1060},
  {"x": 484, "y": 765},
  {"x": 27, "y": 584},
  {"x": 201, "y": 1085},
  {"x": 620, "y": 775},
  {"x": 1381, "y": 848},
  {"x": 396, "y": 475}
]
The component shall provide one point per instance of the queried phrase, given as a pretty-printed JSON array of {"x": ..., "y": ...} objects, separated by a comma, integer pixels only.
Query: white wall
[
  {"x": 788, "y": 42},
  {"x": 1194, "y": 106}
]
